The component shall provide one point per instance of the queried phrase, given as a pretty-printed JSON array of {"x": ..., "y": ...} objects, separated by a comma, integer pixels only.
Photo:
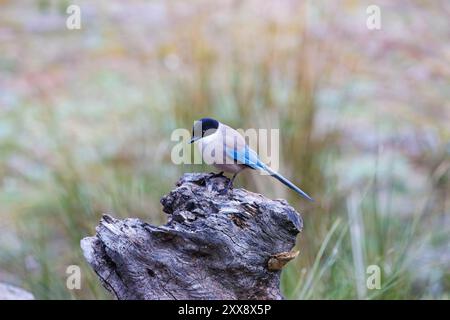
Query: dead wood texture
[{"x": 215, "y": 245}]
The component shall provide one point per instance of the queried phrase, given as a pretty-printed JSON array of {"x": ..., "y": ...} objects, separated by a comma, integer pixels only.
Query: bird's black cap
[{"x": 202, "y": 126}]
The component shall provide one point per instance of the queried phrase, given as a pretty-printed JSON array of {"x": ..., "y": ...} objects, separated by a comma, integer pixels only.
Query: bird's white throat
[{"x": 208, "y": 139}]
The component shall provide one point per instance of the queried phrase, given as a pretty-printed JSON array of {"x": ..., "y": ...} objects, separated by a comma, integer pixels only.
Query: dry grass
[{"x": 86, "y": 118}]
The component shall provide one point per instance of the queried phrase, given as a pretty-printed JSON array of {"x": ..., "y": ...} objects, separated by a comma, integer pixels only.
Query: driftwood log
[{"x": 217, "y": 244}]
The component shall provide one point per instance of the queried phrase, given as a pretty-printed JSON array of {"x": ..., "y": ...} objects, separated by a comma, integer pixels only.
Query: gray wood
[{"x": 217, "y": 244}]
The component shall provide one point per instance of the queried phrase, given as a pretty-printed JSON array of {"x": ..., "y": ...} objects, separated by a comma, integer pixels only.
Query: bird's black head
[{"x": 203, "y": 128}]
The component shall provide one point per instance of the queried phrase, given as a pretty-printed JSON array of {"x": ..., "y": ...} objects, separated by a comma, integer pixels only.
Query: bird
[{"x": 226, "y": 149}]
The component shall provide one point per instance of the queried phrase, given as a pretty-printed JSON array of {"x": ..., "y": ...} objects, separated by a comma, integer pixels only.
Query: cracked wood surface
[{"x": 215, "y": 245}]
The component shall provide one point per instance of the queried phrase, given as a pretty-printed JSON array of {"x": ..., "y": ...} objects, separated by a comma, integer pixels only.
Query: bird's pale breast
[{"x": 213, "y": 151}]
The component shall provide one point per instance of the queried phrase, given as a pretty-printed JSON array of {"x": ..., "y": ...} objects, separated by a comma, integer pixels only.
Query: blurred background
[{"x": 86, "y": 117}]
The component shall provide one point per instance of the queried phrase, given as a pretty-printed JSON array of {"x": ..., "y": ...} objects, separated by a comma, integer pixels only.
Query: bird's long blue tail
[
  {"x": 250, "y": 159},
  {"x": 287, "y": 183}
]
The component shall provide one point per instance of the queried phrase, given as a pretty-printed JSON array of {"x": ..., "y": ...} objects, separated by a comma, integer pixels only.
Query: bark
[{"x": 217, "y": 244}]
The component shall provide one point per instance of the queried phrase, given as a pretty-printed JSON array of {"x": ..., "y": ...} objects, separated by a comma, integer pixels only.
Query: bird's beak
[{"x": 193, "y": 139}]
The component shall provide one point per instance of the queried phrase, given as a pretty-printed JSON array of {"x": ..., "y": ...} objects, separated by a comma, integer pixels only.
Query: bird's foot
[
  {"x": 227, "y": 189},
  {"x": 215, "y": 175},
  {"x": 229, "y": 186}
]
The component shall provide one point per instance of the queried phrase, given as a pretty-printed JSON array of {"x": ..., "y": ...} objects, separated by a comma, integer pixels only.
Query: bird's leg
[{"x": 230, "y": 184}]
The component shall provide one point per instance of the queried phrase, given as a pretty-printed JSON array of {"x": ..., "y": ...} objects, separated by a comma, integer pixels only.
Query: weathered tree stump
[{"x": 215, "y": 245}]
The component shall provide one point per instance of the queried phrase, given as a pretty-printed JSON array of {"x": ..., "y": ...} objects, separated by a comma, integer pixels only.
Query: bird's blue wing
[{"x": 246, "y": 156}]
